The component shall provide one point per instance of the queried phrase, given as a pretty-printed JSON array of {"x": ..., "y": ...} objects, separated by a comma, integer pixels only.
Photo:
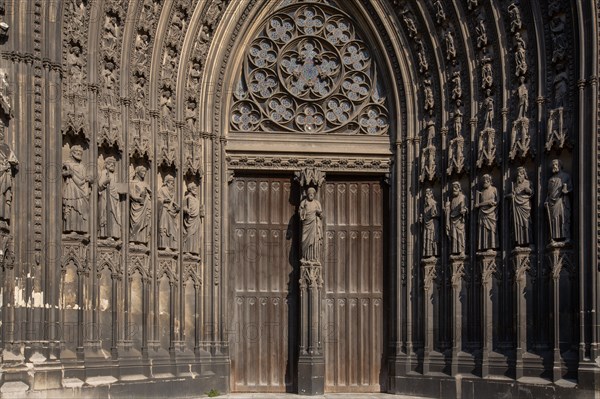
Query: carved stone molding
[{"x": 327, "y": 164}]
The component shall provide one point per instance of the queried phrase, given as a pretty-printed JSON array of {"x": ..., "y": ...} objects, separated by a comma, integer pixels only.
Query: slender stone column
[
  {"x": 457, "y": 263},
  {"x": 430, "y": 266},
  {"x": 522, "y": 264},
  {"x": 488, "y": 268},
  {"x": 558, "y": 259}
]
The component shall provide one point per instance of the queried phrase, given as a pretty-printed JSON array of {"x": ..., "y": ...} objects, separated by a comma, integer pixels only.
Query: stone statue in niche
[
  {"x": 515, "y": 18},
  {"x": 456, "y": 87},
  {"x": 486, "y": 147},
  {"x": 428, "y": 164},
  {"x": 167, "y": 218},
  {"x": 556, "y": 133},
  {"x": 142, "y": 49},
  {"x": 520, "y": 197},
  {"x": 191, "y": 115},
  {"x": 109, "y": 75},
  {"x": 193, "y": 213},
  {"x": 456, "y": 147},
  {"x": 557, "y": 204},
  {"x": 482, "y": 38},
  {"x": 410, "y": 24},
  {"x": 450, "y": 47},
  {"x": 456, "y": 214},
  {"x": 110, "y": 37},
  {"x": 440, "y": 15},
  {"x": 109, "y": 207},
  {"x": 140, "y": 213},
  {"x": 486, "y": 202},
  {"x": 520, "y": 138},
  {"x": 423, "y": 64},
  {"x": 8, "y": 164},
  {"x": 429, "y": 221},
  {"x": 76, "y": 193},
  {"x": 520, "y": 56},
  {"x": 312, "y": 230},
  {"x": 487, "y": 76},
  {"x": 429, "y": 100}
]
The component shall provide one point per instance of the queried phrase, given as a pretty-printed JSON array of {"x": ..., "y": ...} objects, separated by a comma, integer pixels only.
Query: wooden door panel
[
  {"x": 353, "y": 310},
  {"x": 261, "y": 301}
]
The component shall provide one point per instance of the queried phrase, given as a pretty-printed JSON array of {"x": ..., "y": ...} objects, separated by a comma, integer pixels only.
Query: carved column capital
[{"x": 310, "y": 177}]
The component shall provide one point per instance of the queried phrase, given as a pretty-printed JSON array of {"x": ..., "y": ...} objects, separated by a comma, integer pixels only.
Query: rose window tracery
[{"x": 309, "y": 71}]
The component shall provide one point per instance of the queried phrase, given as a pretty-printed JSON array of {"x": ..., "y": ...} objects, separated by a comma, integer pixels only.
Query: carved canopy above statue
[{"x": 309, "y": 71}]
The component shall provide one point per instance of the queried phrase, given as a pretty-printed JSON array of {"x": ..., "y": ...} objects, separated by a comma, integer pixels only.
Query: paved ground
[{"x": 326, "y": 396}]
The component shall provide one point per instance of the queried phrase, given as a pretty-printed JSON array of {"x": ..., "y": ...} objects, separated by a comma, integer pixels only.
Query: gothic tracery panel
[{"x": 309, "y": 71}]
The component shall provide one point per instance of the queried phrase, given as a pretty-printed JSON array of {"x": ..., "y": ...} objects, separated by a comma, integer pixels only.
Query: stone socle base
[{"x": 311, "y": 375}]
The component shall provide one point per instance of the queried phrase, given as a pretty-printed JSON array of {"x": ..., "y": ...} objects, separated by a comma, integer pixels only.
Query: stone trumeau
[{"x": 308, "y": 197}]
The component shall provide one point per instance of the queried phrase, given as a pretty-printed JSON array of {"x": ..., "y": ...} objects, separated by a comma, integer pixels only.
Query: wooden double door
[{"x": 263, "y": 310}]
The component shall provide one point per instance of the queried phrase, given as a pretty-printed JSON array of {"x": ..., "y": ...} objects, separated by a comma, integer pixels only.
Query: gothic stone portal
[{"x": 264, "y": 301}]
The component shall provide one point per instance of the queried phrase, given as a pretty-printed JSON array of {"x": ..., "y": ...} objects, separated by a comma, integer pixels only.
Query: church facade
[{"x": 299, "y": 196}]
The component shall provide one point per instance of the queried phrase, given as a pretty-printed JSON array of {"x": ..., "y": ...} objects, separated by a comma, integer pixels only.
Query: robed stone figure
[
  {"x": 193, "y": 212},
  {"x": 429, "y": 219},
  {"x": 312, "y": 231},
  {"x": 140, "y": 207},
  {"x": 487, "y": 203},
  {"x": 557, "y": 203},
  {"x": 167, "y": 215},
  {"x": 456, "y": 213},
  {"x": 109, "y": 205},
  {"x": 76, "y": 193},
  {"x": 521, "y": 208},
  {"x": 8, "y": 161}
]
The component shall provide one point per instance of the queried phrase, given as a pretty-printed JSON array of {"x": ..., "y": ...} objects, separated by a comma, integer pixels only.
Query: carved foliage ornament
[{"x": 309, "y": 71}]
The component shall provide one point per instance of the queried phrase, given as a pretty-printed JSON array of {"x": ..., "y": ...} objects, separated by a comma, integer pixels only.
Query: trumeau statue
[
  {"x": 109, "y": 207},
  {"x": 167, "y": 224},
  {"x": 312, "y": 230},
  {"x": 429, "y": 220},
  {"x": 8, "y": 162},
  {"x": 487, "y": 203},
  {"x": 558, "y": 206},
  {"x": 193, "y": 212},
  {"x": 521, "y": 208},
  {"x": 76, "y": 193},
  {"x": 456, "y": 214},
  {"x": 140, "y": 212}
]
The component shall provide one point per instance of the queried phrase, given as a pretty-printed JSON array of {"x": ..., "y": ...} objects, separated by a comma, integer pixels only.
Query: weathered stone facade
[{"x": 302, "y": 196}]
